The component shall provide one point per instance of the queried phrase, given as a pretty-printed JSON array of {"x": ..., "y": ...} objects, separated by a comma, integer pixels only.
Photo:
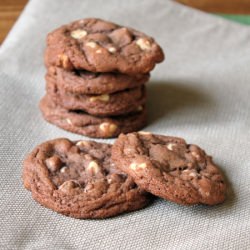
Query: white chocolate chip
[
  {"x": 91, "y": 44},
  {"x": 93, "y": 167},
  {"x": 112, "y": 49},
  {"x": 171, "y": 146},
  {"x": 140, "y": 108},
  {"x": 144, "y": 133},
  {"x": 135, "y": 166},
  {"x": 108, "y": 128},
  {"x": 196, "y": 155},
  {"x": 99, "y": 51},
  {"x": 193, "y": 174},
  {"x": 53, "y": 163},
  {"x": 82, "y": 143},
  {"x": 103, "y": 98},
  {"x": 143, "y": 44},
  {"x": 112, "y": 128},
  {"x": 68, "y": 185},
  {"x": 64, "y": 60},
  {"x": 63, "y": 170},
  {"x": 104, "y": 126},
  {"x": 78, "y": 34},
  {"x": 142, "y": 165},
  {"x": 69, "y": 121}
]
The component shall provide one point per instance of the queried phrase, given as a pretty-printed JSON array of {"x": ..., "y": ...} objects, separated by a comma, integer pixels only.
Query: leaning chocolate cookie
[
  {"x": 170, "y": 168},
  {"x": 100, "y": 46},
  {"x": 78, "y": 179},
  {"x": 82, "y": 123}
]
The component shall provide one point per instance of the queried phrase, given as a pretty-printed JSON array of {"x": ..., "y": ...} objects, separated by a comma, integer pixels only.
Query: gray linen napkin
[{"x": 201, "y": 92}]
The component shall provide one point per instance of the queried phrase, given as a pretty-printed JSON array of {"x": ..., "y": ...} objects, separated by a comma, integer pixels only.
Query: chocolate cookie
[
  {"x": 85, "y": 124},
  {"x": 168, "y": 167},
  {"x": 119, "y": 103},
  {"x": 100, "y": 46},
  {"x": 78, "y": 179},
  {"x": 85, "y": 82}
]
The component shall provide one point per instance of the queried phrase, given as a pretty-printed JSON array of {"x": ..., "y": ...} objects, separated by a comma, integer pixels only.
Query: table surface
[
  {"x": 220, "y": 6},
  {"x": 11, "y": 9},
  {"x": 9, "y": 12}
]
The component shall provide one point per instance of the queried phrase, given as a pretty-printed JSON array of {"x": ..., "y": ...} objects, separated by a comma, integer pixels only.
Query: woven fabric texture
[{"x": 201, "y": 93}]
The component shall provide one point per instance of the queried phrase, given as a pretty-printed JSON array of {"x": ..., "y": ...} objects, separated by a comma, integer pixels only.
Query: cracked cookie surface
[
  {"x": 118, "y": 103},
  {"x": 82, "y": 123},
  {"x": 78, "y": 179},
  {"x": 101, "y": 46},
  {"x": 170, "y": 168}
]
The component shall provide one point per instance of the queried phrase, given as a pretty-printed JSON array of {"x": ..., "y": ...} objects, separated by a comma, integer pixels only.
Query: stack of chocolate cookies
[{"x": 96, "y": 77}]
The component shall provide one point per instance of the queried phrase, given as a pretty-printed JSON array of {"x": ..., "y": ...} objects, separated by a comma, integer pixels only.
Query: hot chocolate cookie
[
  {"x": 170, "y": 168},
  {"x": 100, "y": 46},
  {"x": 78, "y": 179},
  {"x": 82, "y": 123},
  {"x": 118, "y": 103},
  {"x": 86, "y": 82}
]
